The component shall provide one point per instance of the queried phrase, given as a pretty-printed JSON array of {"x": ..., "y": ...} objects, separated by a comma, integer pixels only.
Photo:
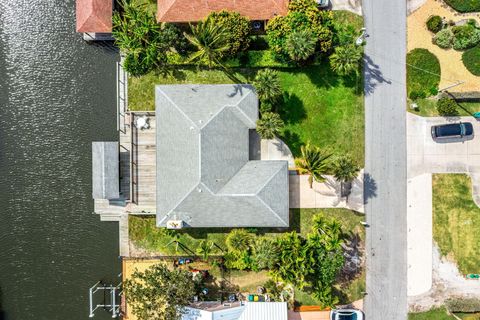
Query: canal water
[{"x": 57, "y": 95}]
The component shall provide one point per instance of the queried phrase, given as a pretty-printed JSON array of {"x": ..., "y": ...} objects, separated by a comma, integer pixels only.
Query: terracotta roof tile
[
  {"x": 94, "y": 15},
  {"x": 195, "y": 10}
]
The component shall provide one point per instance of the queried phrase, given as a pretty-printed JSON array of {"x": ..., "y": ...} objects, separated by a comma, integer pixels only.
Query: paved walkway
[
  {"x": 385, "y": 159},
  {"x": 354, "y": 6},
  {"x": 425, "y": 156},
  {"x": 324, "y": 195},
  {"x": 450, "y": 60}
]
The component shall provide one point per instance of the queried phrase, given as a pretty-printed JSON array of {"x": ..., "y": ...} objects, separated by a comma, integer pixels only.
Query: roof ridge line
[
  {"x": 179, "y": 202},
  {"x": 273, "y": 175},
  {"x": 270, "y": 208},
  {"x": 177, "y": 107}
]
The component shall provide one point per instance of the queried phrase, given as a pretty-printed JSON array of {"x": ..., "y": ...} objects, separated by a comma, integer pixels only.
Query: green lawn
[
  {"x": 428, "y": 108},
  {"x": 456, "y": 221},
  {"x": 434, "y": 314},
  {"x": 441, "y": 314},
  {"x": 320, "y": 107},
  {"x": 471, "y": 60},
  {"x": 344, "y": 17},
  {"x": 423, "y": 72}
]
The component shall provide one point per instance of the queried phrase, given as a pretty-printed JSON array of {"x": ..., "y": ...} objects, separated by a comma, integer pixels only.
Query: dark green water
[{"x": 57, "y": 95}]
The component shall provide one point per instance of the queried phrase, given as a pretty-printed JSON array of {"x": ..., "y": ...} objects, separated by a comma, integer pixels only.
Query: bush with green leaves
[
  {"x": 471, "y": 60},
  {"x": 300, "y": 45},
  {"x": 346, "y": 59},
  {"x": 265, "y": 253},
  {"x": 269, "y": 125},
  {"x": 238, "y": 240},
  {"x": 302, "y": 15},
  {"x": 312, "y": 262},
  {"x": 466, "y": 36},
  {"x": 239, "y": 260},
  {"x": 444, "y": 38},
  {"x": 447, "y": 107},
  {"x": 267, "y": 86},
  {"x": 142, "y": 39},
  {"x": 464, "y": 5},
  {"x": 435, "y": 23},
  {"x": 237, "y": 30}
]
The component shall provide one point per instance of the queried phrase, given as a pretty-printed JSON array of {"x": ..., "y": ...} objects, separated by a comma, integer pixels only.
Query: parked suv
[{"x": 453, "y": 130}]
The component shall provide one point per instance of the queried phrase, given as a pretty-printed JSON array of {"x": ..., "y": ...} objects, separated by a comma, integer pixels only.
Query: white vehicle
[
  {"x": 323, "y": 3},
  {"x": 346, "y": 314}
]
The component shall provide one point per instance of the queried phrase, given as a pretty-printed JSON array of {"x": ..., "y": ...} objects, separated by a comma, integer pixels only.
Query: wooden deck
[{"x": 143, "y": 166}]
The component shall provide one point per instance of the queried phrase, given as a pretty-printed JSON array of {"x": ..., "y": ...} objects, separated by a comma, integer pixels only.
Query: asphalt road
[{"x": 386, "y": 159}]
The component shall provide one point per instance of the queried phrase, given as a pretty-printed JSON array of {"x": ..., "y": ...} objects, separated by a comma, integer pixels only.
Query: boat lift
[{"x": 111, "y": 295}]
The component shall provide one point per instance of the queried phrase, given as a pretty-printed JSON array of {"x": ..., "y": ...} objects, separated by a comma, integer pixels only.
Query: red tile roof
[
  {"x": 195, "y": 10},
  {"x": 94, "y": 15}
]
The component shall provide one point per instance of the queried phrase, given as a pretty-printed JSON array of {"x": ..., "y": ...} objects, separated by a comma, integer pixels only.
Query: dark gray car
[{"x": 453, "y": 130}]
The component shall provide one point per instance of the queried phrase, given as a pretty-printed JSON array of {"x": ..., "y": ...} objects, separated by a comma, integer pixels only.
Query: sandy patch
[{"x": 451, "y": 63}]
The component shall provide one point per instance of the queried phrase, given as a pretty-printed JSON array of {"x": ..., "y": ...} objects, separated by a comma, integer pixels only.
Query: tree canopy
[{"x": 159, "y": 293}]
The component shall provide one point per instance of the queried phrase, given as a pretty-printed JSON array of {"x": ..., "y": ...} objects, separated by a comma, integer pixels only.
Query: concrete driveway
[
  {"x": 426, "y": 156},
  {"x": 453, "y": 156}
]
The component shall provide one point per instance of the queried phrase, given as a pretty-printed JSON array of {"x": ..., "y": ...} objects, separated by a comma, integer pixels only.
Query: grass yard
[
  {"x": 456, "y": 221},
  {"x": 441, "y": 314},
  {"x": 428, "y": 108},
  {"x": 464, "y": 5},
  {"x": 320, "y": 107},
  {"x": 471, "y": 60},
  {"x": 423, "y": 73}
]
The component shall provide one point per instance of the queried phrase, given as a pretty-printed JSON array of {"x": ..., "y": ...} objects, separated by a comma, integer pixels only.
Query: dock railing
[{"x": 122, "y": 96}]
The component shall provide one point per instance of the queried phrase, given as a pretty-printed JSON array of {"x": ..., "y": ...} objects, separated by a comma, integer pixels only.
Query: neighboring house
[
  {"x": 237, "y": 311},
  {"x": 204, "y": 173},
  {"x": 94, "y": 18},
  {"x": 184, "y": 11}
]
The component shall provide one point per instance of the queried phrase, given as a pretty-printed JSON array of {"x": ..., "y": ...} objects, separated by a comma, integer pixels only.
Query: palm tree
[
  {"x": 346, "y": 59},
  {"x": 301, "y": 45},
  {"x": 238, "y": 240},
  {"x": 205, "y": 249},
  {"x": 315, "y": 162},
  {"x": 269, "y": 125},
  {"x": 345, "y": 170},
  {"x": 210, "y": 41},
  {"x": 267, "y": 85}
]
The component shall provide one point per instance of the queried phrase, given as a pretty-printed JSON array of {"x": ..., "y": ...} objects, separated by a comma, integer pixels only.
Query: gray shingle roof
[
  {"x": 105, "y": 174},
  {"x": 204, "y": 176}
]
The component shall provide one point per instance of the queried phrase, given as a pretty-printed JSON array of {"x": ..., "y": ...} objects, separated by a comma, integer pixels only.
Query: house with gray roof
[{"x": 205, "y": 176}]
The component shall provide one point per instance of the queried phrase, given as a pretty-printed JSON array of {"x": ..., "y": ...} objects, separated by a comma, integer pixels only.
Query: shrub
[
  {"x": 444, "y": 38},
  {"x": 423, "y": 72},
  {"x": 463, "y": 305},
  {"x": 136, "y": 64},
  {"x": 238, "y": 240},
  {"x": 302, "y": 15},
  {"x": 447, "y": 107},
  {"x": 465, "y": 36},
  {"x": 435, "y": 24},
  {"x": 464, "y": 5},
  {"x": 238, "y": 260},
  {"x": 237, "y": 30},
  {"x": 471, "y": 60},
  {"x": 269, "y": 125},
  {"x": 265, "y": 253},
  {"x": 414, "y": 95},
  {"x": 300, "y": 45},
  {"x": 267, "y": 85}
]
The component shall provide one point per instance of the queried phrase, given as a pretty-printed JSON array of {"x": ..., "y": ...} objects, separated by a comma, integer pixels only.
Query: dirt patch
[{"x": 451, "y": 63}]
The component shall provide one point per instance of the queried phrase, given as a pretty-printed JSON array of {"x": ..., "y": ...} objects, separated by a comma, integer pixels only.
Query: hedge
[
  {"x": 423, "y": 73},
  {"x": 464, "y": 5},
  {"x": 471, "y": 60}
]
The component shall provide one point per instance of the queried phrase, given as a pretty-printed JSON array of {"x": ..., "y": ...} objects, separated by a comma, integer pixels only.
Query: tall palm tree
[
  {"x": 315, "y": 162},
  {"x": 301, "y": 45},
  {"x": 269, "y": 125},
  {"x": 345, "y": 170},
  {"x": 346, "y": 59},
  {"x": 267, "y": 85},
  {"x": 210, "y": 41}
]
